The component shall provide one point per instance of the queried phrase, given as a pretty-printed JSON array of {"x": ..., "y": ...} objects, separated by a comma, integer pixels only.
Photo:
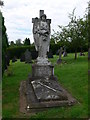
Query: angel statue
[{"x": 41, "y": 34}]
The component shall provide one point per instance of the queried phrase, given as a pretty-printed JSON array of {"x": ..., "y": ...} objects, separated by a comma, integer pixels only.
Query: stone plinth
[{"x": 42, "y": 70}]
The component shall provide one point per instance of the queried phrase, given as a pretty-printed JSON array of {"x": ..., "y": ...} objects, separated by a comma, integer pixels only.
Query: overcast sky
[{"x": 19, "y": 13}]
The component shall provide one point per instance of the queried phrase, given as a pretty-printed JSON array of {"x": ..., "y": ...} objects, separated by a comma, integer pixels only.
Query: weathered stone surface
[
  {"x": 28, "y": 58},
  {"x": 14, "y": 59},
  {"x": 45, "y": 90},
  {"x": 41, "y": 61},
  {"x": 41, "y": 34},
  {"x": 60, "y": 56},
  {"x": 42, "y": 70},
  {"x": 22, "y": 58},
  {"x": 30, "y": 104},
  {"x": 64, "y": 52},
  {"x": 50, "y": 54},
  {"x": 34, "y": 54}
]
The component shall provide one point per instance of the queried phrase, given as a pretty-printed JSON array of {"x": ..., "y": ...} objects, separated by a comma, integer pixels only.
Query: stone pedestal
[
  {"x": 59, "y": 61},
  {"x": 42, "y": 70}
]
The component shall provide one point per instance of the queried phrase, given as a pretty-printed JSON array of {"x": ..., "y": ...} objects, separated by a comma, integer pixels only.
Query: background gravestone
[
  {"x": 60, "y": 56},
  {"x": 82, "y": 53},
  {"x": 57, "y": 52},
  {"x": 34, "y": 54},
  {"x": 64, "y": 52},
  {"x": 22, "y": 58},
  {"x": 50, "y": 54},
  {"x": 28, "y": 58},
  {"x": 14, "y": 59}
]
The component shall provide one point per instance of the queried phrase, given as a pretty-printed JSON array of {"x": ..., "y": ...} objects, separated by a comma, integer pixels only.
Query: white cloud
[{"x": 19, "y": 13}]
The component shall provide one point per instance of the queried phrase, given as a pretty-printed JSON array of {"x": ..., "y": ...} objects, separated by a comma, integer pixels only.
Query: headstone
[
  {"x": 64, "y": 52},
  {"x": 59, "y": 61},
  {"x": 50, "y": 54},
  {"x": 22, "y": 58},
  {"x": 34, "y": 54},
  {"x": 42, "y": 90},
  {"x": 28, "y": 58},
  {"x": 82, "y": 54},
  {"x": 14, "y": 59},
  {"x": 57, "y": 52}
]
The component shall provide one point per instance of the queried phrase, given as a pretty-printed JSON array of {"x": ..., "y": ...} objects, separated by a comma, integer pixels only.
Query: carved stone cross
[{"x": 34, "y": 20}]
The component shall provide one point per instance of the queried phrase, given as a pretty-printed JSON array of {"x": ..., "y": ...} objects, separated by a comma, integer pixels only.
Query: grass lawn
[{"x": 72, "y": 74}]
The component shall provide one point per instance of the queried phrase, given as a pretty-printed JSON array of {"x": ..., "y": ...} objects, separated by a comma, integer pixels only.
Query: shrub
[{"x": 17, "y": 51}]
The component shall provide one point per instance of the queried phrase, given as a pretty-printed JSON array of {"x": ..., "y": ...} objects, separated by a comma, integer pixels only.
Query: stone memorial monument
[
  {"x": 14, "y": 59},
  {"x": 41, "y": 33},
  {"x": 50, "y": 54},
  {"x": 42, "y": 90},
  {"x": 64, "y": 51},
  {"x": 60, "y": 56},
  {"x": 22, "y": 57},
  {"x": 28, "y": 58}
]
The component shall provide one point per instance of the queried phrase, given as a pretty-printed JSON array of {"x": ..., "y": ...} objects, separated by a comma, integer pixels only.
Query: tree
[
  {"x": 1, "y": 3},
  {"x": 88, "y": 19},
  {"x": 12, "y": 43},
  {"x": 89, "y": 32},
  {"x": 61, "y": 37},
  {"x": 18, "y": 42},
  {"x": 52, "y": 41},
  {"x": 3, "y": 36},
  {"x": 27, "y": 41},
  {"x": 74, "y": 34},
  {"x": 77, "y": 32}
]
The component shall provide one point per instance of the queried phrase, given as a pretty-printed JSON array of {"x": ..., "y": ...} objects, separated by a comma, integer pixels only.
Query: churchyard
[
  {"x": 72, "y": 75},
  {"x": 49, "y": 77}
]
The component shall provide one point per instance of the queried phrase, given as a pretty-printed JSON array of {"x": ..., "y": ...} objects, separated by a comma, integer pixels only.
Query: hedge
[{"x": 17, "y": 51}]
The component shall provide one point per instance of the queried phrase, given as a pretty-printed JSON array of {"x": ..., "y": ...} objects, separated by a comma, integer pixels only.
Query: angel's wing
[{"x": 36, "y": 35}]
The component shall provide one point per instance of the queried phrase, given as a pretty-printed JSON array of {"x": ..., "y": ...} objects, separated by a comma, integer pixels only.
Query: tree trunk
[
  {"x": 81, "y": 50},
  {"x": 81, "y": 53},
  {"x": 89, "y": 54},
  {"x": 75, "y": 54}
]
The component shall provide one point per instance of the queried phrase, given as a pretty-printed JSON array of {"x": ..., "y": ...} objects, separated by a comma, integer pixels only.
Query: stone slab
[
  {"x": 45, "y": 90},
  {"x": 29, "y": 102}
]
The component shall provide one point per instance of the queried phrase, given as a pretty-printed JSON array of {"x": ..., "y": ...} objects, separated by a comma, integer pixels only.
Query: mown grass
[{"x": 72, "y": 75}]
